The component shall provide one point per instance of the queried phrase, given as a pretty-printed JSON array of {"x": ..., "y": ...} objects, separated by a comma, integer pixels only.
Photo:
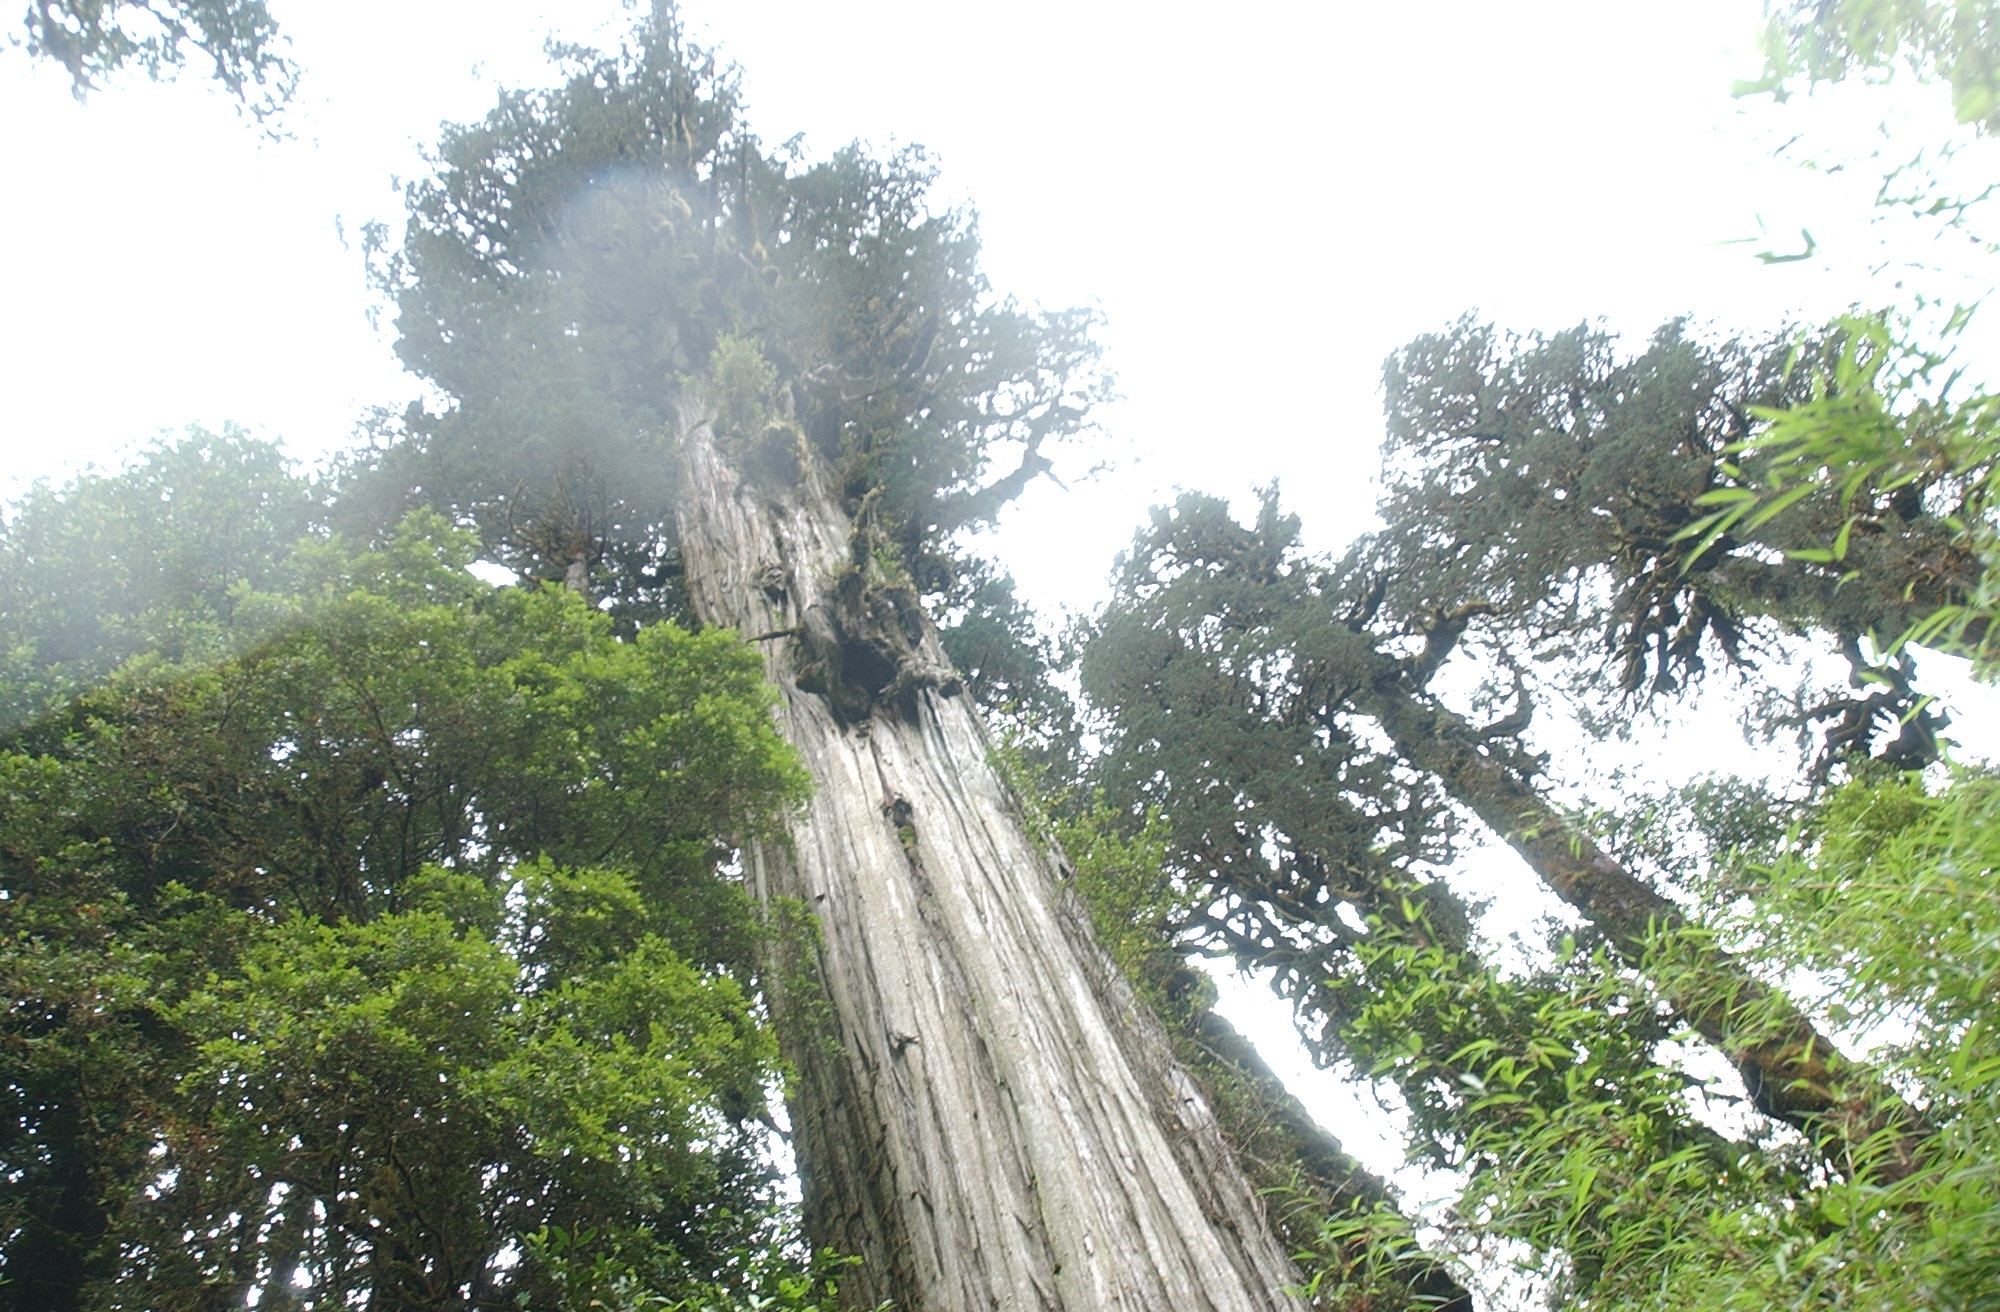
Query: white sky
[{"x": 1264, "y": 199}]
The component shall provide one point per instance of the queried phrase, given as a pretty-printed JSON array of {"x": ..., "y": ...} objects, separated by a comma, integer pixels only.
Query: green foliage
[
  {"x": 743, "y": 389},
  {"x": 435, "y": 1096},
  {"x": 1617, "y": 515},
  {"x": 371, "y": 931},
  {"x": 1576, "y": 1134},
  {"x": 1892, "y": 907},
  {"x": 164, "y": 557},
  {"x": 1897, "y": 910},
  {"x": 1234, "y": 678},
  {"x": 1545, "y": 1090},
  {"x": 756, "y": 1284},
  {"x": 1124, "y": 882},
  {"x": 582, "y": 251},
  {"x": 1883, "y": 423},
  {"x": 1832, "y": 40},
  {"x": 1360, "y": 1258},
  {"x": 95, "y": 38}
]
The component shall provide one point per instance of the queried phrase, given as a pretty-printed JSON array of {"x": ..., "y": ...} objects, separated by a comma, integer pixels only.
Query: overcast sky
[{"x": 1263, "y": 200}]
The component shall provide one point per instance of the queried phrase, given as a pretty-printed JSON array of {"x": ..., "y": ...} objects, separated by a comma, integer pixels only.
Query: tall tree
[
  {"x": 1310, "y": 779},
  {"x": 682, "y": 366},
  {"x": 1243, "y": 690}
]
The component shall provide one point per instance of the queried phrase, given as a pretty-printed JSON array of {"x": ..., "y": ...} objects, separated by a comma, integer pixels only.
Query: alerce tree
[
  {"x": 1307, "y": 763},
  {"x": 691, "y": 375},
  {"x": 1308, "y": 766}
]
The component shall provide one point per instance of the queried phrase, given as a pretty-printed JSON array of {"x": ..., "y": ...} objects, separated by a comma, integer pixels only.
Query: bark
[
  {"x": 1289, "y": 1153},
  {"x": 1792, "y": 1071},
  {"x": 984, "y": 1112}
]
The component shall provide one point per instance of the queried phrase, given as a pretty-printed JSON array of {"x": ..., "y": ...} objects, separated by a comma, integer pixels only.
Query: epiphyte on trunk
[{"x": 864, "y": 648}]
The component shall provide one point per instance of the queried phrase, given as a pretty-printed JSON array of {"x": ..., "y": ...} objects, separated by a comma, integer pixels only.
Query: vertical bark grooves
[
  {"x": 1303, "y": 1155},
  {"x": 986, "y": 1115},
  {"x": 1792, "y": 1072}
]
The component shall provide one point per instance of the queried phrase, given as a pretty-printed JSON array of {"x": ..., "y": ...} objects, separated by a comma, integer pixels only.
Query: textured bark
[
  {"x": 1286, "y": 1150},
  {"x": 984, "y": 1113},
  {"x": 1792, "y": 1071}
]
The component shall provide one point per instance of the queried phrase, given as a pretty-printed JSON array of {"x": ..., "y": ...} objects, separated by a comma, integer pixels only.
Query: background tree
[
  {"x": 110, "y": 566},
  {"x": 1558, "y": 513},
  {"x": 1584, "y": 502},
  {"x": 1307, "y": 777},
  {"x": 385, "y": 955}
]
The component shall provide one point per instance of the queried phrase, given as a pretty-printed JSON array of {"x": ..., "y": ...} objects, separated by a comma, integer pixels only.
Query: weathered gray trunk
[{"x": 984, "y": 1113}]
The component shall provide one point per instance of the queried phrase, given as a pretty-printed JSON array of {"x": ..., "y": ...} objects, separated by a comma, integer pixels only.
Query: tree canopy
[
  {"x": 385, "y": 955},
  {"x": 1301, "y": 762},
  {"x": 581, "y": 252},
  {"x": 1832, "y": 40},
  {"x": 93, "y": 39},
  {"x": 1582, "y": 501}
]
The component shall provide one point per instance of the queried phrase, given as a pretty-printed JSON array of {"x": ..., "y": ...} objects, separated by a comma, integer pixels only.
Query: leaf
[
  {"x": 1778, "y": 505},
  {"x": 1807, "y": 253},
  {"x": 1581, "y": 1192}
]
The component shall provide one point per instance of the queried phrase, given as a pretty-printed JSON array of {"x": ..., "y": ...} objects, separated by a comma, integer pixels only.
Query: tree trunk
[
  {"x": 1792, "y": 1072},
  {"x": 1284, "y": 1149},
  {"x": 984, "y": 1112}
]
